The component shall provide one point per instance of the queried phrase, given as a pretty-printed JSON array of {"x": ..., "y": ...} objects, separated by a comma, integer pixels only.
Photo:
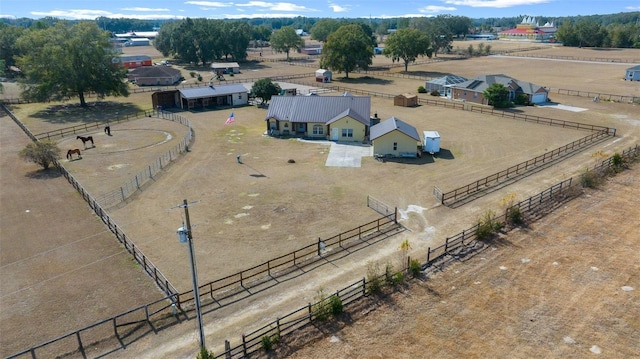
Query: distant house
[
  {"x": 337, "y": 118},
  {"x": 133, "y": 61},
  {"x": 212, "y": 96},
  {"x": 138, "y": 41},
  {"x": 311, "y": 50},
  {"x": 633, "y": 73},
  {"x": 154, "y": 75},
  {"x": 225, "y": 67},
  {"x": 472, "y": 90},
  {"x": 396, "y": 138},
  {"x": 443, "y": 84}
]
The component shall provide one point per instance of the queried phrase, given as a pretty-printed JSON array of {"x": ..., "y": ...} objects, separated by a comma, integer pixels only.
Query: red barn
[{"x": 134, "y": 61}]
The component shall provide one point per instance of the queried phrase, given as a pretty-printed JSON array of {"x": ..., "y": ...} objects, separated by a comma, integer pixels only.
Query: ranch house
[
  {"x": 154, "y": 76},
  {"x": 472, "y": 90},
  {"x": 395, "y": 138},
  {"x": 336, "y": 118}
]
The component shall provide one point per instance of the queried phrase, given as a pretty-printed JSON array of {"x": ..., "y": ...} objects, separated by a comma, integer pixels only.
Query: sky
[{"x": 178, "y": 9}]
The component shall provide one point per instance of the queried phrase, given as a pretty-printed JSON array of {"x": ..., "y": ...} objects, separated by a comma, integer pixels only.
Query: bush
[
  {"x": 487, "y": 226},
  {"x": 374, "y": 282},
  {"x": 514, "y": 216},
  {"x": 205, "y": 354},
  {"x": 415, "y": 268},
  {"x": 321, "y": 309},
  {"x": 590, "y": 179},
  {"x": 336, "y": 304},
  {"x": 43, "y": 153},
  {"x": 435, "y": 93},
  {"x": 421, "y": 89},
  {"x": 267, "y": 343},
  {"x": 397, "y": 278},
  {"x": 192, "y": 73}
]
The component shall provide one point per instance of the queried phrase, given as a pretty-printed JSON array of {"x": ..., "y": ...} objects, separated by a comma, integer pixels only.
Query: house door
[{"x": 335, "y": 134}]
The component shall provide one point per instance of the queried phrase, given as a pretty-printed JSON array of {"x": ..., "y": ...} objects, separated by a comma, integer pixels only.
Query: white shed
[
  {"x": 323, "y": 75},
  {"x": 431, "y": 142}
]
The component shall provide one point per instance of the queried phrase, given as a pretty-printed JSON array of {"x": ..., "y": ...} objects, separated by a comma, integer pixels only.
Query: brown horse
[
  {"x": 71, "y": 152},
  {"x": 85, "y": 140}
]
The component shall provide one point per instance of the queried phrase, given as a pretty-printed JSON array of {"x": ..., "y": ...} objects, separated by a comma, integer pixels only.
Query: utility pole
[{"x": 184, "y": 235}]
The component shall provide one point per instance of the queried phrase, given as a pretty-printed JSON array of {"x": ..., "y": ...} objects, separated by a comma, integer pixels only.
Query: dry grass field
[{"x": 248, "y": 213}]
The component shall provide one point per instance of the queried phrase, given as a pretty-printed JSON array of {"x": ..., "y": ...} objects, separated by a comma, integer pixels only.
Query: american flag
[{"x": 230, "y": 119}]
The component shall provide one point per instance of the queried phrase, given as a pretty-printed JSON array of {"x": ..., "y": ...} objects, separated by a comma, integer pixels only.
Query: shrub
[
  {"x": 43, "y": 153},
  {"x": 336, "y": 304},
  {"x": 514, "y": 215},
  {"x": 522, "y": 99},
  {"x": 618, "y": 162},
  {"x": 590, "y": 179},
  {"x": 374, "y": 283},
  {"x": 435, "y": 93},
  {"x": 397, "y": 278},
  {"x": 322, "y": 307},
  {"x": 487, "y": 226},
  {"x": 205, "y": 354},
  {"x": 421, "y": 89},
  {"x": 267, "y": 343},
  {"x": 192, "y": 73},
  {"x": 415, "y": 268}
]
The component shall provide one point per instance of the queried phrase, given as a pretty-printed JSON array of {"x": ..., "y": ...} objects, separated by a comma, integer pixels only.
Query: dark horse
[
  {"x": 85, "y": 139},
  {"x": 71, "y": 152}
]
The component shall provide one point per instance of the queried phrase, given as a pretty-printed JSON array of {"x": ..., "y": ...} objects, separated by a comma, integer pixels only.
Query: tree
[
  {"x": 8, "y": 37},
  {"x": 497, "y": 95},
  {"x": 323, "y": 28},
  {"x": 407, "y": 44},
  {"x": 347, "y": 49},
  {"x": 285, "y": 39},
  {"x": 43, "y": 153},
  {"x": 264, "y": 89},
  {"x": 61, "y": 62}
]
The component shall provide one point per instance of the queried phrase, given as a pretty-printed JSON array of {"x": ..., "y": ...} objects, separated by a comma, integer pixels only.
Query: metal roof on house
[
  {"x": 319, "y": 109},
  {"x": 482, "y": 82},
  {"x": 154, "y": 71},
  {"x": 212, "y": 91},
  {"x": 224, "y": 65},
  {"x": 393, "y": 124},
  {"x": 634, "y": 68}
]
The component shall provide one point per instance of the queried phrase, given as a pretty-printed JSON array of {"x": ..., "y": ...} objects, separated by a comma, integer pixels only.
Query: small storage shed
[
  {"x": 406, "y": 100},
  {"x": 225, "y": 68},
  {"x": 431, "y": 142},
  {"x": 323, "y": 75}
]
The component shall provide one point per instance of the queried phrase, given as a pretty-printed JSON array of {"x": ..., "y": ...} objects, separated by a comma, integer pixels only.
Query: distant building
[
  {"x": 529, "y": 30},
  {"x": 225, "y": 67},
  {"x": 633, "y": 73},
  {"x": 154, "y": 76},
  {"x": 472, "y": 90},
  {"x": 133, "y": 61}
]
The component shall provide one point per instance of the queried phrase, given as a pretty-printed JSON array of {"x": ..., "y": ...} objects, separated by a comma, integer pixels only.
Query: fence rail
[
  {"x": 599, "y": 96},
  {"x": 379, "y": 206},
  {"x": 532, "y": 207},
  {"x": 522, "y": 168}
]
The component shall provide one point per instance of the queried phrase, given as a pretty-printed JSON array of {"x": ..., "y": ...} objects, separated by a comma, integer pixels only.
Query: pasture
[{"x": 248, "y": 213}]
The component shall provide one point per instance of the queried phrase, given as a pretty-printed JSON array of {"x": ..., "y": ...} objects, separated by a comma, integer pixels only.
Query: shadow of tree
[
  {"x": 98, "y": 111},
  {"x": 43, "y": 174},
  {"x": 365, "y": 80}
]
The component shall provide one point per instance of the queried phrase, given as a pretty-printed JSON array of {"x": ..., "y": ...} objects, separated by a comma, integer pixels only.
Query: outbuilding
[
  {"x": 133, "y": 61},
  {"x": 406, "y": 100},
  {"x": 154, "y": 75},
  {"x": 323, "y": 75},
  {"x": 633, "y": 73},
  {"x": 225, "y": 68},
  {"x": 431, "y": 142},
  {"x": 396, "y": 138},
  {"x": 212, "y": 96}
]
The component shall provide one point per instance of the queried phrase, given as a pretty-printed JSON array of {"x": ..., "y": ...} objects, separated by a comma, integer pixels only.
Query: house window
[
  {"x": 395, "y": 146},
  {"x": 465, "y": 94},
  {"x": 318, "y": 129},
  {"x": 347, "y": 132},
  {"x": 475, "y": 95},
  {"x": 239, "y": 96}
]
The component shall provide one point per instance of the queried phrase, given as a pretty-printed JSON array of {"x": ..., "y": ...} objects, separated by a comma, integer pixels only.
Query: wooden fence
[
  {"x": 116, "y": 332},
  {"x": 93, "y": 126},
  {"x": 460, "y": 193},
  {"x": 136, "y": 183},
  {"x": 379, "y": 206},
  {"x": 599, "y": 96},
  {"x": 577, "y": 58},
  {"x": 531, "y": 208}
]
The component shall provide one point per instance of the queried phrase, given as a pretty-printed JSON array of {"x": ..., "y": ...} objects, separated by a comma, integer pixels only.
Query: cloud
[
  {"x": 339, "y": 8},
  {"x": 256, "y": 16},
  {"x": 495, "y": 3},
  {"x": 431, "y": 9},
  {"x": 632, "y": 8},
  {"x": 7, "y": 16},
  {"x": 394, "y": 16},
  {"x": 143, "y": 9},
  {"x": 83, "y": 14},
  {"x": 277, "y": 6},
  {"x": 215, "y": 4}
]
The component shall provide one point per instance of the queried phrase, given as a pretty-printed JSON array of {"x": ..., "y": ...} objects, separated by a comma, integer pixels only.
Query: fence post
[
  {"x": 80, "y": 346},
  {"x": 227, "y": 349},
  {"x": 395, "y": 216},
  {"x": 310, "y": 311},
  {"x": 428, "y": 255},
  {"x": 244, "y": 346},
  {"x": 278, "y": 325},
  {"x": 364, "y": 286},
  {"x": 122, "y": 193},
  {"x": 319, "y": 246}
]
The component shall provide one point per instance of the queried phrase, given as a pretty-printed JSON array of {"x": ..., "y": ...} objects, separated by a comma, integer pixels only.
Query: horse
[
  {"x": 71, "y": 152},
  {"x": 85, "y": 139}
]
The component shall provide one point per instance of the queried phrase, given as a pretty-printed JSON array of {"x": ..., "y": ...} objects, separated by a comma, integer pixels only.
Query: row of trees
[
  {"x": 204, "y": 40},
  {"x": 592, "y": 34}
]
